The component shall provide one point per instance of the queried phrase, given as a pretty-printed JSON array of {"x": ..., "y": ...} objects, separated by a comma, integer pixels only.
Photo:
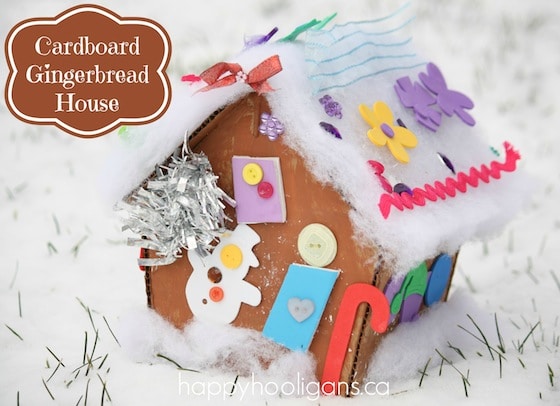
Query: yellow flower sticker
[{"x": 384, "y": 132}]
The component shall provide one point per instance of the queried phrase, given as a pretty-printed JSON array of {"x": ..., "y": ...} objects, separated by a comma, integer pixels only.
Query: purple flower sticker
[
  {"x": 270, "y": 126},
  {"x": 449, "y": 101},
  {"x": 419, "y": 98},
  {"x": 413, "y": 95}
]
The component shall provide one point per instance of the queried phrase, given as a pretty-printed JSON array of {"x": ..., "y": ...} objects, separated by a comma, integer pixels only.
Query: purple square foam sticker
[{"x": 258, "y": 190}]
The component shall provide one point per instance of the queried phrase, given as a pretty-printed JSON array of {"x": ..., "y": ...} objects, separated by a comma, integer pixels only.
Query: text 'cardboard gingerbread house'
[{"x": 315, "y": 188}]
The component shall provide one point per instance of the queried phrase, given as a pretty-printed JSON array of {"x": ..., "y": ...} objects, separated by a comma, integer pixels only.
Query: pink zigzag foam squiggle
[{"x": 440, "y": 190}]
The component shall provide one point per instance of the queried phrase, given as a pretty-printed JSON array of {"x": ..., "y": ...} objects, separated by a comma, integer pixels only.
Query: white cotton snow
[
  {"x": 406, "y": 350},
  {"x": 212, "y": 349},
  {"x": 226, "y": 350}
]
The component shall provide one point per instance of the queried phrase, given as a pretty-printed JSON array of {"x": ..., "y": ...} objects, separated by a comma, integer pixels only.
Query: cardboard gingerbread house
[{"x": 316, "y": 188}]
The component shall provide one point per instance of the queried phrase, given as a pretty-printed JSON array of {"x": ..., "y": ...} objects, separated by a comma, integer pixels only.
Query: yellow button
[
  {"x": 231, "y": 256},
  {"x": 317, "y": 245},
  {"x": 252, "y": 173}
]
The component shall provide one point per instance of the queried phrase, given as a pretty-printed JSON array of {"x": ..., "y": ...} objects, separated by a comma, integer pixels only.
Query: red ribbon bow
[{"x": 256, "y": 78}]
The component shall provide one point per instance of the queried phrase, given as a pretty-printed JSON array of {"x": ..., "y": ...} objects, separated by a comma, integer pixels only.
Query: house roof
[{"x": 359, "y": 63}]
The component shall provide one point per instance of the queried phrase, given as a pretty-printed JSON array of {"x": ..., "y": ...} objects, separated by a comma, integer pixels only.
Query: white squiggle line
[
  {"x": 358, "y": 32},
  {"x": 377, "y": 20},
  {"x": 334, "y": 58},
  {"x": 361, "y": 64},
  {"x": 367, "y": 76}
]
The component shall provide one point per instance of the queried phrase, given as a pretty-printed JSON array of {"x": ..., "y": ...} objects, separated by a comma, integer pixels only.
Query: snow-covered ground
[{"x": 67, "y": 272}]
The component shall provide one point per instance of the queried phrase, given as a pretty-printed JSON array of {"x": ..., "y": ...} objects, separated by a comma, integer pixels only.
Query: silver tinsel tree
[{"x": 179, "y": 207}]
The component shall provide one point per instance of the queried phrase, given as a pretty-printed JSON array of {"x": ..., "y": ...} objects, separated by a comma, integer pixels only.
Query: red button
[
  {"x": 216, "y": 294},
  {"x": 265, "y": 190}
]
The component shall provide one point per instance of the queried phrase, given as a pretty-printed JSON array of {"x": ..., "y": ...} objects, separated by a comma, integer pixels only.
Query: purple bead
[
  {"x": 387, "y": 130},
  {"x": 402, "y": 188},
  {"x": 446, "y": 162},
  {"x": 270, "y": 126},
  {"x": 332, "y": 108},
  {"x": 325, "y": 99},
  {"x": 330, "y": 129},
  {"x": 401, "y": 123}
]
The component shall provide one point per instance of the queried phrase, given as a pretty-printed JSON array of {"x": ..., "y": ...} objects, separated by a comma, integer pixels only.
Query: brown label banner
[{"x": 88, "y": 71}]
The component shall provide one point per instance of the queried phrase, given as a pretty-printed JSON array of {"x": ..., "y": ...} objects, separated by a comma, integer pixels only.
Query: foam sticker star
[{"x": 384, "y": 132}]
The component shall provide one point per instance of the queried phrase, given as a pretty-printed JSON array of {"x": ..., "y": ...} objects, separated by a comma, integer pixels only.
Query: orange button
[{"x": 216, "y": 294}]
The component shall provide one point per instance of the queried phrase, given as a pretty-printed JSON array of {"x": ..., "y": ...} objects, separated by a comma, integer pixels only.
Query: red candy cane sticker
[{"x": 354, "y": 295}]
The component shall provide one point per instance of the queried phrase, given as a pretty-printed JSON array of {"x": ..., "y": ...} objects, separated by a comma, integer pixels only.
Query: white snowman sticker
[{"x": 216, "y": 287}]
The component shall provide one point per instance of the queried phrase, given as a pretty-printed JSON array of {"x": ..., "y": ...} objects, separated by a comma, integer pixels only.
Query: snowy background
[{"x": 67, "y": 272}]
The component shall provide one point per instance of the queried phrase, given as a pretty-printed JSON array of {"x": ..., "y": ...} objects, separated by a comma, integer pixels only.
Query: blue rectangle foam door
[{"x": 299, "y": 305}]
